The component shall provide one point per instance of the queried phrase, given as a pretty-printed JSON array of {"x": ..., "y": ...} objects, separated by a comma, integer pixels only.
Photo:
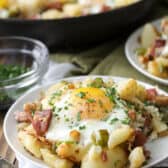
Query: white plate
[
  {"x": 132, "y": 44},
  {"x": 158, "y": 148}
]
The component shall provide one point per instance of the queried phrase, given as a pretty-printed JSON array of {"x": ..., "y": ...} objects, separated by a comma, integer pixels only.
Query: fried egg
[{"x": 84, "y": 110}]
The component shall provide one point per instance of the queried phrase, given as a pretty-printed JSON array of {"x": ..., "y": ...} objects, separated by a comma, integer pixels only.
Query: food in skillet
[
  {"x": 93, "y": 124},
  {"x": 153, "y": 53},
  {"x": 55, "y": 9}
]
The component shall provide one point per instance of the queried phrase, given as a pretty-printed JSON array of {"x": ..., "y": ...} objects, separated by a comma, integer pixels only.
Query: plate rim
[
  {"x": 10, "y": 111},
  {"x": 129, "y": 55}
]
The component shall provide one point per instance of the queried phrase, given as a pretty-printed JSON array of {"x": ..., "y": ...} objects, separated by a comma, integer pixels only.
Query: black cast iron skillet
[{"x": 80, "y": 31}]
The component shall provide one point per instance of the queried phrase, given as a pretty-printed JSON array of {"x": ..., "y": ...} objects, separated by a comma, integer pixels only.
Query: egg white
[{"x": 60, "y": 129}]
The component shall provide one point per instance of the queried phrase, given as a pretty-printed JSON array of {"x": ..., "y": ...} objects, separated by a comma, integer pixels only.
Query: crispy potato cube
[
  {"x": 73, "y": 9},
  {"x": 52, "y": 14},
  {"x": 136, "y": 158},
  {"x": 158, "y": 125},
  {"x": 119, "y": 136},
  {"x": 54, "y": 161},
  {"x": 141, "y": 93},
  {"x": 148, "y": 36},
  {"x": 70, "y": 151},
  {"x": 31, "y": 143},
  {"x": 30, "y": 7},
  {"x": 127, "y": 89},
  {"x": 104, "y": 158},
  {"x": 156, "y": 69}
]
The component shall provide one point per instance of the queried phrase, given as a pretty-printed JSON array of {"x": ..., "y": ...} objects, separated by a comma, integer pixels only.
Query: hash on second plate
[{"x": 153, "y": 53}]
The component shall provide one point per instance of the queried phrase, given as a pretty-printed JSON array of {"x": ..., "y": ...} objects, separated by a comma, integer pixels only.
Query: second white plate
[{"x": 131, "y": 45}]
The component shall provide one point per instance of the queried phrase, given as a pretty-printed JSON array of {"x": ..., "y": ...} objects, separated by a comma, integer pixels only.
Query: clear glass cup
[{"x": 25, "y": 52}]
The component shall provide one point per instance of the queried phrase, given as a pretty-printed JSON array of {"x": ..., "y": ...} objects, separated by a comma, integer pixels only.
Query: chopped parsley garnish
[
  {"x": 78, "y": 117},
  {"x": 114, "y": 120},
  {"x": 57, "y": 93},
  {"x": 111, "y": 93},
  {"x": 66, "y": 119},
  {"x": 97, "y": 83},
  {"x": 54, "y": 95},
  {"x": 91, "y": 100},
  {"x": 11, "y": 71},
  {"x": 66, "y": 107},
  {"x": 140, "y": 51},
  {"x": 126, "y": 121},
  {"x": 57, "y": 110},
  {"x": 81, "y": 94},
  {"x": 82, "y": 127},
  {"x": 32, "y": 112}
]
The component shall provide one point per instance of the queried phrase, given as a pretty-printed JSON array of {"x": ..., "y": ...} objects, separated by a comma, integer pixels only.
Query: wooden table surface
[{"x": 5, "y": 151}]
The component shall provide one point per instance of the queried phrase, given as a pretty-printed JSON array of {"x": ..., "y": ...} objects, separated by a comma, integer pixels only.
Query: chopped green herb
[
  {"x": 140, "y": 51},
  {"x": 113, "y": 120},
  {"x": 57, "y": 93},
  {"x": 82, "y": 127},
  {"x": 54, "y": 95},
  {"x": 126, "y": 121},
  {"x": 78, "y": 116},
  {"x": 81, "y": 94},
  {"x": 32, "y": 112},
  {"x": 91, "y": 100},
  {"x": 111, "y": 93},
  {"x": 66, "y": 107},
  {"x": 57, "y": 109},
  {"x": 11, "y": 71},
  {"x": 97, "y": 83},
  {"x": 102, "y": 139},
  {"x": 66, "y": 119}
]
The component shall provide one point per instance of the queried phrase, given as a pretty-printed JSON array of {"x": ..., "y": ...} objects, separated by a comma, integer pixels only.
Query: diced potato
[
  {"x": 54, "y": 161},
  {"x": 104, "y": 158},
  {"x": 95, "y": 152},
  {"x": 119, "y": 136},
  {"x": 156, "y": 69},
  {"x": 127, "y": 89},
  {"x": 163, "y": 61},
  {"x": 148, "y": 36},
  {"x": 141, "y": 93},
  {"x": 158, "y": 125},
  {"x": 30, "y": 7},
  {"x": 52, "y": 14},
  {"x": 73, "y": 9},
  {"x": 136, "y": 157},
  {"x": 30, "y": 143},
  {"x": 22, "y": 126},
  {"x": 70, "y": 151}
]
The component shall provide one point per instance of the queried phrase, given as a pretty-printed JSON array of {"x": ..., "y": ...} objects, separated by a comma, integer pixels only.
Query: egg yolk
[{"x": 90, "y": 103}]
